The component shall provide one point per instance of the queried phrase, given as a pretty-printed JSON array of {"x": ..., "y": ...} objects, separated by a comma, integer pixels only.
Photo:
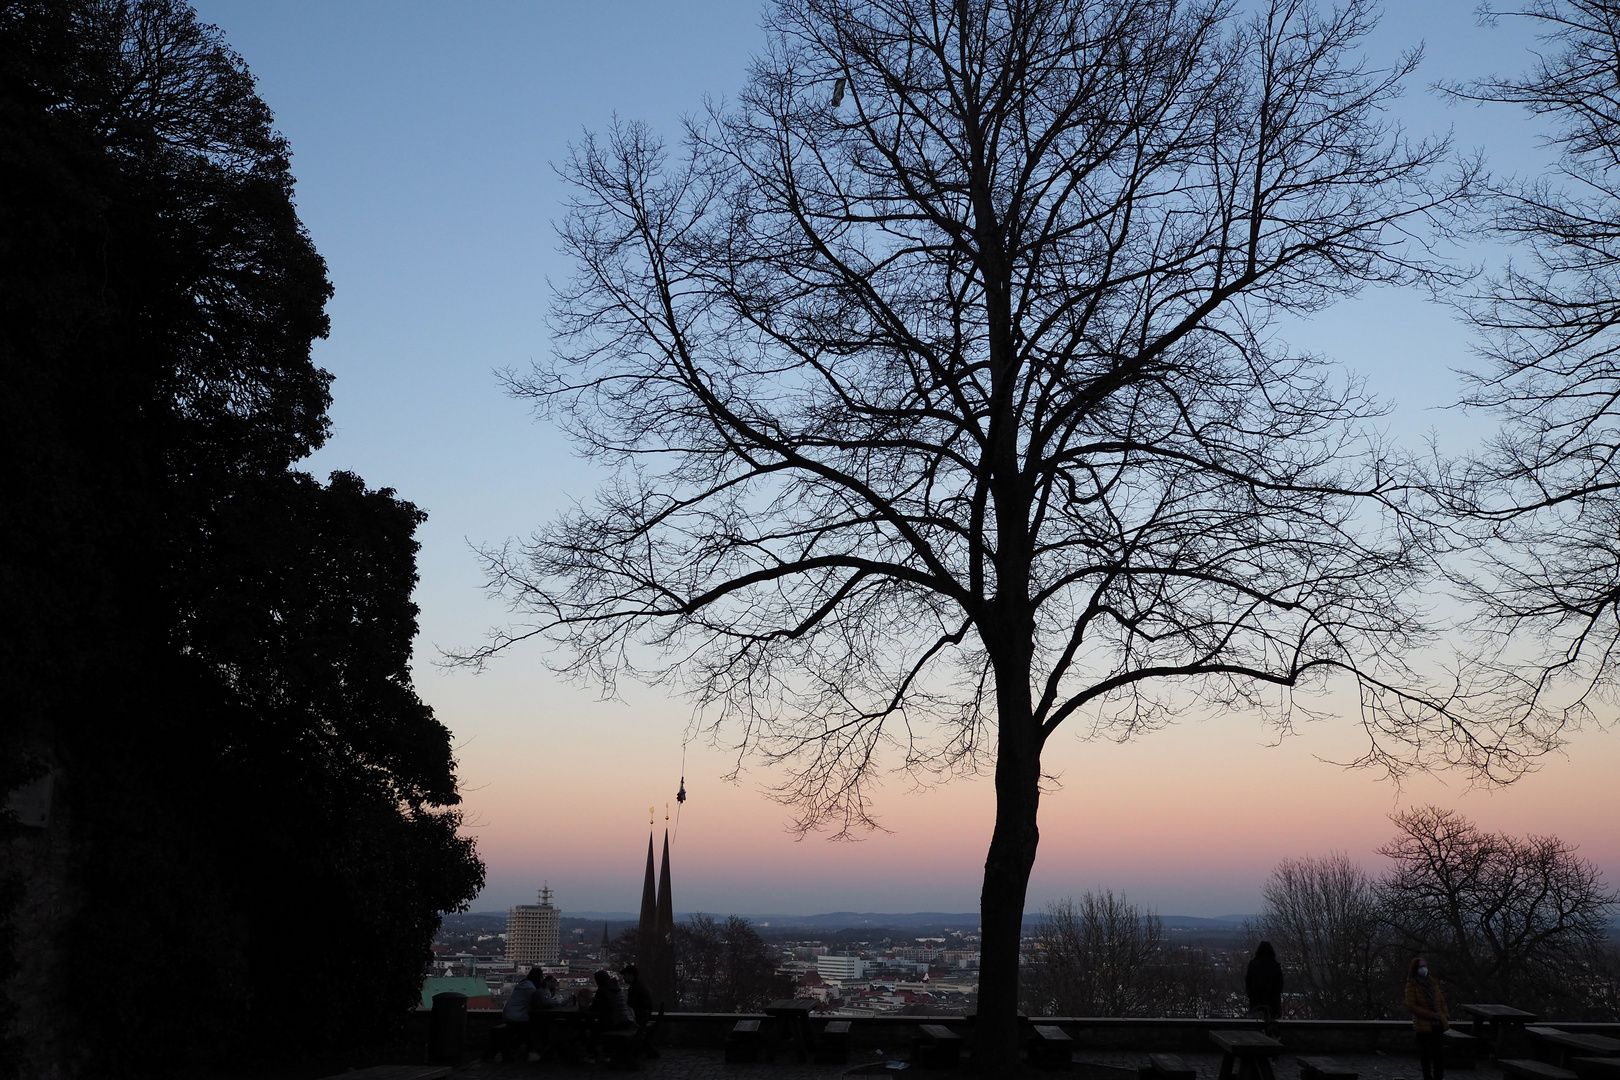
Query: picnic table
[
  {"x": 396, "y": 1072},
  {"x": 1248, "y": 1053},
  {"x": 1563, "y": 1045},
  {"x": 792, "y": 1016},
  {"x": 562, "y": 1030},
  {"x": 1500, "y": 1026}
]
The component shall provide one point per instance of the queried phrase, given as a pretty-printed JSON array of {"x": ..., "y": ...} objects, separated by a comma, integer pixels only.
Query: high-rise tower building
[{"x": 532, "y": 931}]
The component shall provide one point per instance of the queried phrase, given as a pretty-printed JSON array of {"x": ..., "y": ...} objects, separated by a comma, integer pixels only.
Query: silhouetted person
[
  {"x": 1430, "y": 1017},
  {"x": 1264, "y": 983},
  {"x": 636, "y": 995},
  {"x": 518, "y": 1013},
  {"x": 639, "y": 998},
  {"x": 609, "y": 1010},
  {"x": 545, "y": 995}
]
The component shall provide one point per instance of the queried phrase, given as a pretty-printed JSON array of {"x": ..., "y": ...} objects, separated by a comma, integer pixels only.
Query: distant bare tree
[
  {"x": 1504, "y": 918},
  {"x": 957, "y": 411},
  {"x": 698, "y": 946},
  {"x": 1192, "y": 985},
  {"x": 623, "y": 948},
  {"x": 1099, "y": 956},
  {"x": 1602, "y": 1000},
  {"x": 722, "y": 966},
  {"x": 1324, "y": 918},
  {"x": 1543, "y": 501}
]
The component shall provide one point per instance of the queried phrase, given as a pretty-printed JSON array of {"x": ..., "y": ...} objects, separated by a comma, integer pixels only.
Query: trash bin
[{"x": 447, "y": 1039}]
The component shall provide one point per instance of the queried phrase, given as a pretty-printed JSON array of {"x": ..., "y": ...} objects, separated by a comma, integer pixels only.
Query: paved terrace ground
[
  {"x": 1105, "y": 1049},
  {"x": 703, "y": 1063}
]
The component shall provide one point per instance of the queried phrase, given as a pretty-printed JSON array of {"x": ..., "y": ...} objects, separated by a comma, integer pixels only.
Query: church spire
[
  {"x": 648, "y": 935},
  {"x": 666, "y": 902},
  {"x": 663, "y": 973}
]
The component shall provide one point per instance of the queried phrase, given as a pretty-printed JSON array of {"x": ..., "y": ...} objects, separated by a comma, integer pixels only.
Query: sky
[{"x": 424, "y": 137}]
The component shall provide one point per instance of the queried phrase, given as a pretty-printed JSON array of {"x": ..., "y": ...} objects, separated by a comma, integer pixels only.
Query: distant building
[
  {"x": 532, "y": 932},
  {"x": 843, "y": 968}
]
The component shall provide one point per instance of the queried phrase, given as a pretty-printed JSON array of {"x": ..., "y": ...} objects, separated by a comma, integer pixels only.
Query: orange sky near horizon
[{"x": 1189, "y": 819}]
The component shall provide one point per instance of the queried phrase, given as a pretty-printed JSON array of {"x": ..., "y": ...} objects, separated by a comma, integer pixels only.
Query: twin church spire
[{"x": 655, "y": 947}]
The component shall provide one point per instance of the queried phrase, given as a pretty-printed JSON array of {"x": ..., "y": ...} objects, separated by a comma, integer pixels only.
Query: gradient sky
[{"x": 422, "y": 138}]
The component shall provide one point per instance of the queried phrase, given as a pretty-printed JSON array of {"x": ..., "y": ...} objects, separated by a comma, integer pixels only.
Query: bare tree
[
  {"x": 1323, "y": 917},
  {"x": 1602, "y": 999},
  {"x": 1543, "y": 501},
  {"x": 1098, "y": 957},
  {"x": 956, "y": 411},
  {"x": 1504, "y": 918},
  {"x": 722, "y": 967},
  {"x": 699, "y": 943}
]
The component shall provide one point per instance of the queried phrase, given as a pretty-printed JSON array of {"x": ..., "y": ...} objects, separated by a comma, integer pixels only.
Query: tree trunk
[{"x": 1006, "y": 880}]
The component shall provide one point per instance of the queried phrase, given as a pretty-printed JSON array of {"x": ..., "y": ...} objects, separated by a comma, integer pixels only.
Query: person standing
[
  {"x": 1264, "y": 983},
  {"x": 1430, "y": 1018}
]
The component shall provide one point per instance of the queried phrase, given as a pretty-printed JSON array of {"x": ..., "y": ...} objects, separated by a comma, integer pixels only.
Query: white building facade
[
  {"x": 532, "y": 932},
  {"x": 843, "y": 968}
]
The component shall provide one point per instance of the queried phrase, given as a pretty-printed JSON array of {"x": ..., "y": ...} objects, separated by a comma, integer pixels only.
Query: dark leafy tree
[
  {"x": 1503, "y": 918},
  {"x": 208, "y": 652},
  {"x": 1542, "y": 502},
  {"x": 956, "y": 411}
]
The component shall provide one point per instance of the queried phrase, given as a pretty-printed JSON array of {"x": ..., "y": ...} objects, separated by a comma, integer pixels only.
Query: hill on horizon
[{"x": 846, "y": 920}]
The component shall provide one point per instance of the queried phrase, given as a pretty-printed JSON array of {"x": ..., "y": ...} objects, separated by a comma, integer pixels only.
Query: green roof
[{"x": 472, "y": 987}]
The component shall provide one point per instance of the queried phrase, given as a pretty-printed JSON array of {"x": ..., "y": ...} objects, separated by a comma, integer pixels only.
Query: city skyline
[{"x": 421, "y": 143}]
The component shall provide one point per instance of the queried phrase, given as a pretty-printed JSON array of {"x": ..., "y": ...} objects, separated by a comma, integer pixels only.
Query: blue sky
[{"x": 423, "y": 139}]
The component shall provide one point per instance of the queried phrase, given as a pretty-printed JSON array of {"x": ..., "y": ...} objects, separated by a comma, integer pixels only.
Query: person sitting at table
[
  {"x": 636, "y": 994},
  {"x": 517, "y": 1013},
  {"x": 639, "y": 998},
  {"x": 609, "y": 1010},
  {"x": 545, "y": 995},
  {"x": 609, "y": 1005},
  {"x": 1264, "y": 983},
  {"x": 1430, "y": 1019}
]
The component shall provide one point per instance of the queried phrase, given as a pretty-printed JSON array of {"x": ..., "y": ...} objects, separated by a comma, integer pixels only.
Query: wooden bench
[
  {"x": 938, "y": 1047},
  {"x": 1459, "y": 1049},
  {"x": 832, "y": 1046},
  {"x": 1559, "y": 1047},
  {"x": 1321, "y": 1068},
  {"x": 1050, "y": 1047},
  {"x": 495, "y": 1043},
  {"x": 1596, "y": 1068},
  {"x": 742, "y": 1044},
  {"x": 1167, "y": 1067},
  {"x": 622, "y": 1046},
  {"x": 1531, "y": 1069}
]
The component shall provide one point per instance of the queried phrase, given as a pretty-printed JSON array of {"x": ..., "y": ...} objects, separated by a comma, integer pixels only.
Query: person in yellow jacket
[{"x": 1429, "y": 1017}]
